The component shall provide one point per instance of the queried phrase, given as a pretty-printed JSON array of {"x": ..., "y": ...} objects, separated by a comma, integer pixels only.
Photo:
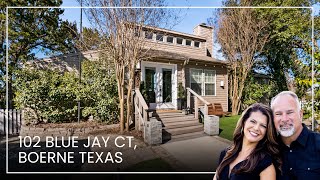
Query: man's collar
[{"x": 303, "y": 137}]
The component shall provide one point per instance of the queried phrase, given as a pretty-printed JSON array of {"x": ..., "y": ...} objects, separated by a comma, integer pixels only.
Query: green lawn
[{"x": 227, "y": 126}]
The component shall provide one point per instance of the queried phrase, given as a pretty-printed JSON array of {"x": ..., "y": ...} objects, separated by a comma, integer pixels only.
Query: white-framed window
[
  {"x": 148, "y": 35},
  {"x": 188, "y": 42},
  {"x": 209, "y": 82},
  {"x": 196, "y": 44},
  {"x": 159, "y": 37},
  {"x": 203, "y": 81},
  {"x": 179, "y": 40},
  {"x": 169, "y": 39},
  {"x": 196, "y": 80}
]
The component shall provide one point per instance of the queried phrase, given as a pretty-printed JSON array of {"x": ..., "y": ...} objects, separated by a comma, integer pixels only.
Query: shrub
[{"x": 48, "y": 95}]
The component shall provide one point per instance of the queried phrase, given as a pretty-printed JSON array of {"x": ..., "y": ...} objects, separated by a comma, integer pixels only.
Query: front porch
[{"x": 161, "y": 126}]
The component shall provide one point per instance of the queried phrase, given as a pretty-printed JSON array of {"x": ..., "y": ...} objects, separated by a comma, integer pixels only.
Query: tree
[
  {"x": 122, "y": 29},
  {"x": 242, "y": 36},
  {"x": 288, "y": 46},
  {"x": 288, "y": 53},
  {"x": 31, "y": 30}
]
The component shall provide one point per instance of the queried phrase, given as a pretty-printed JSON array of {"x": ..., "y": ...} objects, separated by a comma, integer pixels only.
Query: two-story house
[
  {"x": 186, "y": 59},
  {"x": 177, "y": 58}
]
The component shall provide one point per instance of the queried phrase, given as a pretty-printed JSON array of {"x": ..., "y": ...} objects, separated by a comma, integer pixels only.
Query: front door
[
  {"x": 160, "y": 83},
  {"x": 150, "y": 85}
]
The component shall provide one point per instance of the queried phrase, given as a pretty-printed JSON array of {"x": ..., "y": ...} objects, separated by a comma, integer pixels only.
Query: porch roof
[{"x": 154, "y": 54}]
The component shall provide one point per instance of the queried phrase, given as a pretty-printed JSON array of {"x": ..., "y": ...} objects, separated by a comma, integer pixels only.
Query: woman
[{"x": 254, "y": 153}]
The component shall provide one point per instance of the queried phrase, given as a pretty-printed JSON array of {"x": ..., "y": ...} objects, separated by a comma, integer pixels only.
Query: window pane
[
  {"x": 170, "y": 39},
  {"x": 209, "y": 89},
  {"x": 148, "y": 35},
  {"x": 188, "y": 42},
  {"x": 159, "y": 37},
  {"x": 179, "y": 40},
  {"x": 196, "y": 76},
  {"x": 196, "y": 87},
  {"x": 197, "y": 44},
  {"x": 210, "y": 76}
]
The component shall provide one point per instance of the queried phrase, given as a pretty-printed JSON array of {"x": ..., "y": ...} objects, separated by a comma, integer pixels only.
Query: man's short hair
[{"x": 290, "y": 93}]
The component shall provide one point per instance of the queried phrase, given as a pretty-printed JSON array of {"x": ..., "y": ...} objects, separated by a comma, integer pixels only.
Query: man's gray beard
[{"x": 287, "y": 133}]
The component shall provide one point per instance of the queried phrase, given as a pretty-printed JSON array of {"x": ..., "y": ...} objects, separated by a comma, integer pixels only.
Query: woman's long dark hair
[{"x": 267, "y": 145}]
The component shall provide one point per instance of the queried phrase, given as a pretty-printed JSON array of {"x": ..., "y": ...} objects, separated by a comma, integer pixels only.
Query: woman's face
[{"x": 255, "y": 127}]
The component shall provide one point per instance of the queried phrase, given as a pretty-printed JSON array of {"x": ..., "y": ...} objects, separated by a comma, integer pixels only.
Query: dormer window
[
  {"x": 148, "y": 35},
  {"x": 159, "y": 37},
  {"x": 196, "y": 44},
  {"x": 179, "y": 41},
  {"x": 188, "y": 42},
  {"x": 169, "y": 39}
]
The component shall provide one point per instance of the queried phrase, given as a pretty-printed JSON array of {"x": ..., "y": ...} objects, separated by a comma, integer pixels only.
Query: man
[{"x": 300, "y": 147}]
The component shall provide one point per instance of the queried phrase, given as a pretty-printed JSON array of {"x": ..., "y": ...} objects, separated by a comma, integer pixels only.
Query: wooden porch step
[
  {"x": 184, "y": 130},
  {"x": 165, "y": 111},
  {"x": 178, "y": 119},
  {"x": 180, "y": 124},
  {"x": 165, "y": 115}
]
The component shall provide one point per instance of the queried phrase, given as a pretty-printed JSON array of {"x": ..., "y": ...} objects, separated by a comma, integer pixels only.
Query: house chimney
[{"x": 205, "y": 31}]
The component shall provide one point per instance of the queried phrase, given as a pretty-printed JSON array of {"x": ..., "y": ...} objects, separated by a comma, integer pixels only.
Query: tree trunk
[{"x": 121, "y": 116}]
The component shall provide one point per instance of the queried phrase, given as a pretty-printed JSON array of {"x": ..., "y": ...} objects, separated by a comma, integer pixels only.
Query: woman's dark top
[{"x": 263, "y": 164}]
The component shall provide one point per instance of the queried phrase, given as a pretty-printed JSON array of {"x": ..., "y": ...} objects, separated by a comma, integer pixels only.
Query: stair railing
[
  {"x": 197, "y": 98},
  {"x": 141, "y": 110}
]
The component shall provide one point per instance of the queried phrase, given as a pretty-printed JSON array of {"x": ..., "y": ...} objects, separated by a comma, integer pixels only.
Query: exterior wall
[
  {"x": 206, "y": 32},
  {"x": 175, "y": 48},
  {"x": 221, "y": 75}
]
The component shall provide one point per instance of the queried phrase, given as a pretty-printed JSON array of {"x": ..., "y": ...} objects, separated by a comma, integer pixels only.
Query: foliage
[
  {"x": 286, "y": 56},
  {"x": 98, "y": 92},
  {"x": 181, "y": 91},
  {"x": 32, "y": 30},
  {"x": 256, "y": 92},
  {"x": 52, "y": 96}
]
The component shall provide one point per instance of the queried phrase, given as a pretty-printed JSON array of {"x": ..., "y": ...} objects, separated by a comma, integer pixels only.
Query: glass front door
[
  {"x": 166, "y": 85},
  {"x": 150, "y": 85}
]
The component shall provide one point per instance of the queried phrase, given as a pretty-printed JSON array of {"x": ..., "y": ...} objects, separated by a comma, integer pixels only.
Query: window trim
[
  {"x": 168, "y": 41},
  {"x": 177, "y": 41},
  {"x": 190, "y": 43},
  {"x": 203, "y": 93},
  {"x": 159, "y": 34},
  {"x": 194, "y": 44}
]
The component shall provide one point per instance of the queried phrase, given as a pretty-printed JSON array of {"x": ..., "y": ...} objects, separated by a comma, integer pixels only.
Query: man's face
[{"x": 287, "y": 117}]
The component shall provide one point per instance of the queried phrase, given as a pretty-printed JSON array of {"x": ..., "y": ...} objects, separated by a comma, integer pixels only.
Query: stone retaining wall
[{"x": 68, "y": 131}]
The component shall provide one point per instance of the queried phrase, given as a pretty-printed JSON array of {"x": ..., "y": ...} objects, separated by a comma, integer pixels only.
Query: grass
[{"x": 227, "y": 126}]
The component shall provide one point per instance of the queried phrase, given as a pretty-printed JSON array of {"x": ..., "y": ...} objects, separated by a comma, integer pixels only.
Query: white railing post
[
  {"x": 205, "y": 110},
  {"x": 188, "y": 98},
  {"x": 196, "y": 107}
]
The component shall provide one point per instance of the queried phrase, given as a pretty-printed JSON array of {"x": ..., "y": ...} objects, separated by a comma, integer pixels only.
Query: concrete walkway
[
  {"x": 199, "y": 154},
  {"x": 191, "y": 155}
]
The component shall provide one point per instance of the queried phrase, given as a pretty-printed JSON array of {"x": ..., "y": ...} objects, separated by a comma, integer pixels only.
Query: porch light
[
  {"x": 138, "y": 65},
  {"x": 221, "y": 83}
]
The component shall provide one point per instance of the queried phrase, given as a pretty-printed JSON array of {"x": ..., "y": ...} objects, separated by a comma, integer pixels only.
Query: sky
[{"x": 192, "y": 13}]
